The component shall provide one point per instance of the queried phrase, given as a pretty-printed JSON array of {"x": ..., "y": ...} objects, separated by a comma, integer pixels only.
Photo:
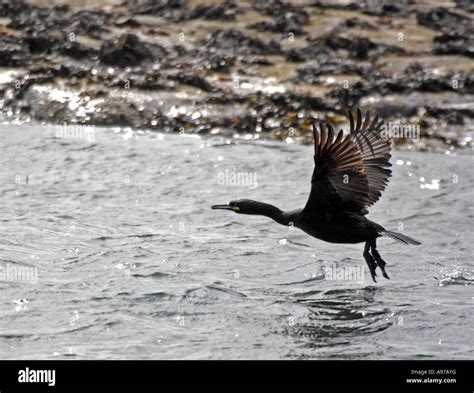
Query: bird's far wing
[
  {"x": 374, "y": 149},
  {"x": 339, "y": 181}
]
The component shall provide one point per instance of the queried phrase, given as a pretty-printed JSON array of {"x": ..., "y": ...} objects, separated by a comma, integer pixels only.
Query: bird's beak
[{"x": 226, "y": 207}]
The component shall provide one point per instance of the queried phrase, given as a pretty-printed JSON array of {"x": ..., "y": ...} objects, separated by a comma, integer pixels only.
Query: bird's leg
[
  {"x": 370, "y": 261},
  {"x": 380, "y": 262}
]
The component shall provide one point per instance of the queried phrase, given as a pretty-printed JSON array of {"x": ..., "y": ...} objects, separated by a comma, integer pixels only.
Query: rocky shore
[{"x": 249, "y": 69}]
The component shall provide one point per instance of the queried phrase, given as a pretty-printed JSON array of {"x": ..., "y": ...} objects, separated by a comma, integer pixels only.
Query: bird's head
[
  {"x": 247, "y": 206},
  {"x": 242, "y": 206}
]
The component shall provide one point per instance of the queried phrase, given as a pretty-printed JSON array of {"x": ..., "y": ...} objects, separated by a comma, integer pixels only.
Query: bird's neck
[{"x": 267, "y": 210}]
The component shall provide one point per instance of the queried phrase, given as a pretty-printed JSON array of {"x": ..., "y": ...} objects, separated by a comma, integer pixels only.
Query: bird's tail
[{"x": 400, "y": 238}]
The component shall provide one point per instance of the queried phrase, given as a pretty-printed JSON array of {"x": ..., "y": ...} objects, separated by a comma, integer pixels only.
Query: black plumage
[{"x": 350, "y": 173}]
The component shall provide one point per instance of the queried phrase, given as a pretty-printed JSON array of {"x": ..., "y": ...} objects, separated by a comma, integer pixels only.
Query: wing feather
[
  {"x": 375, "y": 150},
  {"x": 351, "y": 171}
]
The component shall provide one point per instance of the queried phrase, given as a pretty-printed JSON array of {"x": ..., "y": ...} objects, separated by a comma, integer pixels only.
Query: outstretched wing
[
  {"x": 374, "y": 148},
  {"x": 350, "y": 171},
  {"x": 338, "y": 181}
]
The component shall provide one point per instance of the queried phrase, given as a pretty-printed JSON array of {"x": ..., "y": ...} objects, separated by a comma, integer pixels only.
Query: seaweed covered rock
[
  {"x": 466, "y": 5},
  {"x": 448, "y": 44},
  {"x": 235, "y": 40},
  {"x": 225, "y": 11},
  {"x": 170, "y": 9},
  {"x": 127, "y": 50},
  {"x": 287, "y": 18},
  {"x": 449, "y": 22},
  {"x": 13, "y": 51},
  {"x": 359, "y": 48},
  {"x": 311, "y": 73}
]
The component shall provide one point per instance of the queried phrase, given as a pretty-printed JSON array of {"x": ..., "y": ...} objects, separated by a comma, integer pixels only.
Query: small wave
[
  {"x": 210, "y": 293},
  {"x": 285, "y": 242},
  {"x": 307, "y": 294},
  {"x": 153, "y": 275},
  {"x": 336, "y": 320},
  {"x": 456, "y": 277},
  {"x": 154, "y": 296},
  {"x": 305, "y": 281},
  {"x": 139, "y": 236},
  {"x": 329, "y": 326},
  {"x": 226, "y": 290}
]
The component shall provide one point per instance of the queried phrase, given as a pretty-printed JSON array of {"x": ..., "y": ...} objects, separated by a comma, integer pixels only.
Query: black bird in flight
[{"x": 350, "y": 173}]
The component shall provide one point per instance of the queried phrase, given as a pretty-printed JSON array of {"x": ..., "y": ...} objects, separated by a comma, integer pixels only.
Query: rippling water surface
[{"x": 132, "y": 263}]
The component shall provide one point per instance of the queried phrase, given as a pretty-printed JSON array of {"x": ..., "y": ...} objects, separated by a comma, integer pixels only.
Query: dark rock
[
  {"x": 349, "y": 97},
  {"x": 282, "y": 24},
  {"x": 10, "y": 8},
  {"x": 450, "y": 115},
  {"x": 466, "y": 5},
  {"x": 315, "y": 50},
  {"x": 381, "y": 8},
  {"x": 41, "y": 22},
  {"x": 278, "y": 8},
  {"x": 57, "y": 44},
  {"x": 360, "y": 48},
  {"x": 295, "y": 102},
  {"x": 288, "y": 18},
  {"x": 89, "y": 22},
  {"x": 295, "y": 56},
  {"x": 330, "y": 66},
  {"x": 353, "y": 23},
  {"x": 234, "y": 40},
  {"x": 369, "y": 7},
  {"x": 125, "y": 51},
  {"x": 40, "y": 44},
  {"x": 218, "y": 63},
  {"x": 171, "y": 9},
  {"x": 224, "y": 11},
  {"x": 70, "y": 71},
  {"x": 77, "y": 51},
  {"x": 196, "y": 81},
  {"x": 447, "y": 44},
  {"x": 441, "y": 19},
  {"x": 13, "y": 51},
  {"x": 35, "y": 20},
  {"x": 415, "y": 78}
]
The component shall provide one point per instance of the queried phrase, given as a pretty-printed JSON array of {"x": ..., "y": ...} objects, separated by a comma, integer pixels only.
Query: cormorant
[{"x": 350, "y": 173}]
